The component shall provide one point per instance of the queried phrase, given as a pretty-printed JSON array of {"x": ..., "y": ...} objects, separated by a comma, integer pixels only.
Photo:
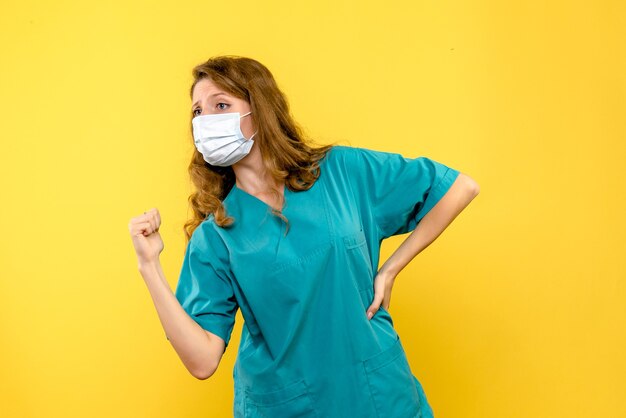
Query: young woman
[{"x": 290, "y": 234}]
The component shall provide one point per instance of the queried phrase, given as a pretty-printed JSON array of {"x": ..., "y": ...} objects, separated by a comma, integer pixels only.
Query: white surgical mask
[{"x": 219, "y": 138}]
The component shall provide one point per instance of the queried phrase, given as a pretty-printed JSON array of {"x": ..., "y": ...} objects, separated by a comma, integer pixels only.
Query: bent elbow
[
  {"x": 201, "y": 376},
  {"x": 471, "y": 185},
  {"x": 203, "y": 373},
  {"x": 476, "y": 189},
  {"x": 204, "y": 369}
]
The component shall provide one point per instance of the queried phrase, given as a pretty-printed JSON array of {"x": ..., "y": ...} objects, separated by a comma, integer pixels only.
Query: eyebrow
[{"x": 213, "y": 95}]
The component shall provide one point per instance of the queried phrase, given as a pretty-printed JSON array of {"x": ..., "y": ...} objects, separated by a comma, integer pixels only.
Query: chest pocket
[{"x": 359, "y": 265}]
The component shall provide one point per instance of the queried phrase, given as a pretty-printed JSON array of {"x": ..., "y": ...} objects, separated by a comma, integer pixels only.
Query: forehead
[{"x": 205, "y": 88}]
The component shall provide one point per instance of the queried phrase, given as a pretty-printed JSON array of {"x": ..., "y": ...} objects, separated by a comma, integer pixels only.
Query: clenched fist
[{"x": 144, "y": 231}]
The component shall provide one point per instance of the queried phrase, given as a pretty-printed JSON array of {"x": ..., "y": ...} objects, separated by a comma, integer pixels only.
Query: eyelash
[{"x": 194, "y": 111}]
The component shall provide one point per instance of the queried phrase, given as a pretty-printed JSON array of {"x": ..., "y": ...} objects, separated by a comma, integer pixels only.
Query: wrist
[
  {"x": 148, "y": 265},
  {"x": 389, "y": 269}
]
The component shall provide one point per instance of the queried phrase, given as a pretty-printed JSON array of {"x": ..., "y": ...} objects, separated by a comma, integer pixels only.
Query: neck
[{"x": 251, "y": 174}]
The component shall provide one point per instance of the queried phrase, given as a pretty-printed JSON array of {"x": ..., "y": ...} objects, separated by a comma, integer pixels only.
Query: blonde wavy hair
[{"x": 286, "y": 152}]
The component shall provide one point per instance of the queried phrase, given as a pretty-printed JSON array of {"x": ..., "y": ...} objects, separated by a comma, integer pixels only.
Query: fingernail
[{"x": 369, "y": 315}]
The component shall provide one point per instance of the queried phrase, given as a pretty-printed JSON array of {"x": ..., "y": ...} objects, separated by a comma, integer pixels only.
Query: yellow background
[{"x": 517, "y": 310}]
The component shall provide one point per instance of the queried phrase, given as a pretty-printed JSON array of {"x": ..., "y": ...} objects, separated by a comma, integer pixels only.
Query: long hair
[{"x": 280, "y": 139}]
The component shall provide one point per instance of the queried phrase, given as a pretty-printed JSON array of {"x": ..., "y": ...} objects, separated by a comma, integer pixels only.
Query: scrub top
[{"x": 307, "y": 348}]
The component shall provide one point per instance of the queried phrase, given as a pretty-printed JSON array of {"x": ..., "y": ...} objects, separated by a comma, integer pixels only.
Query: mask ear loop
[{"x": 257, "y": 131}]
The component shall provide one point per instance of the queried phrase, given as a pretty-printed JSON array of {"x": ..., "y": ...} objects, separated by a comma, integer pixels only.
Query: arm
[
  {"x": 199, "y": 350},
  {"x": 461, "y": 193}
]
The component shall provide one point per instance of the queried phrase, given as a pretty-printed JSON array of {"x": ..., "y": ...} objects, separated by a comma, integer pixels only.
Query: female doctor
[{"x": 290, "y": 234}]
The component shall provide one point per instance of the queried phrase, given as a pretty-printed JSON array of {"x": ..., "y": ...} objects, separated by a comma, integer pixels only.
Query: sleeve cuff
[
  {"x": 214, "y": 324},
  {"x": 437, "y": 192}
]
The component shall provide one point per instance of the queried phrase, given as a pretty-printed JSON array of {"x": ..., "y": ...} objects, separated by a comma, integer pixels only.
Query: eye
[
  {"x": 222, "y": 108},
  {"x": 194, "y": 112}
]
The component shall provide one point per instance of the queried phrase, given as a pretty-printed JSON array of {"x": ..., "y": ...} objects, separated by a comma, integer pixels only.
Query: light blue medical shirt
[{"x": 307, "y": 348}]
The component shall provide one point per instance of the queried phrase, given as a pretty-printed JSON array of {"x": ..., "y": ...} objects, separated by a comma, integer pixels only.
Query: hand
[
  {"x": 144, "y": 231},
  {"x": 383, "y": 283}
]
